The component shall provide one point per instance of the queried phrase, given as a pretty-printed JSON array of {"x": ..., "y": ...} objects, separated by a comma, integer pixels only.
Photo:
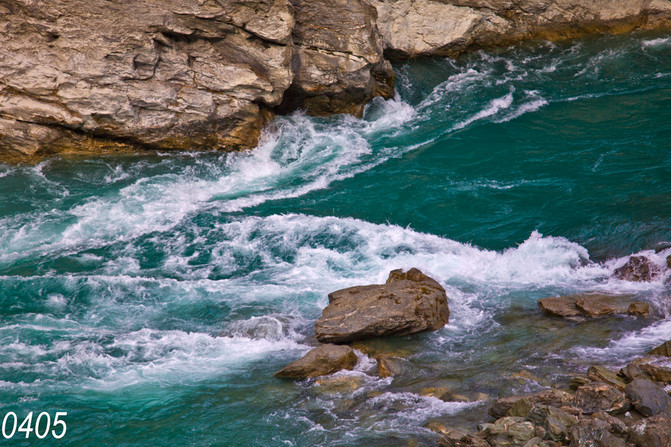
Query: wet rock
[
  {"x": 539, "y": 442},
  {"x": 594, "y": 432},
  {"x": 598, "y": 396},
  {"x": 322, "y": 360},
  {"x": 389, "y": 366},
  {"x": 592, "y": 305},
  {"x": 648, "y": 398},
  {"x": 457, "y": 438},
  {"x": 639, "y": 309},
  {"x": 616, "y": 426},
  {"x": 437, "y": 427},
  {"x": 668, "y": 261},
  {"x": 339, "y": 384},
  {"x": 501, "y": 407},
  {"x": 601, "y": 374},
  {"x": 638, "y": 268},
  {"x": 564, "y": 306},
  {"x": 662, "y": 350},
  {"x": 440, "y": 392},
  {"x": 408, "y": 303},
  {"x": 652, "y": 432}
]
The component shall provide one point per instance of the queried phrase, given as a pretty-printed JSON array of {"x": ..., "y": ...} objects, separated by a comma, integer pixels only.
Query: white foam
[
  {"x": 630, "y": 345},
  {"x": 494, "y": 107},
  {"x": 659, "y": 42}
]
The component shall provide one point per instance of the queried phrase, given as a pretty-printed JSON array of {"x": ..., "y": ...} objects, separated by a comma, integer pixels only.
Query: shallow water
[{"x": 152, "y": 298}]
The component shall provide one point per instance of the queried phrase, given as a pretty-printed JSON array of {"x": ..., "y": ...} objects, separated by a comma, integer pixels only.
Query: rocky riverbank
[
  {"x": 601, "y": 408},
  {"x": 186, "y": 75}
]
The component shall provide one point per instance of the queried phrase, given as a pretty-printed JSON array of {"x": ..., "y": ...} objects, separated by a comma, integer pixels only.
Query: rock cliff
[
  {"x": 178, "y": 74},
  {"x": 112, "y": 75}
]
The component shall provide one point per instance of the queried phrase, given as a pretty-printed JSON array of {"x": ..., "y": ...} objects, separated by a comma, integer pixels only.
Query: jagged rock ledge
[{"x": 198, "y": 75}]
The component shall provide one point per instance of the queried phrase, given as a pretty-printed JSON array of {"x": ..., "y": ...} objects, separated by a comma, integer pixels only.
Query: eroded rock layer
[{"x": 208, "y": 74}]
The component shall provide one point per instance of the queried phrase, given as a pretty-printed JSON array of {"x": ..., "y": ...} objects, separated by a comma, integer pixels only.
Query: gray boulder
[
  {"x": 648, "y": 398},
  {"x": 320, "y": 361},
  {"x": 408, "y": 303}
]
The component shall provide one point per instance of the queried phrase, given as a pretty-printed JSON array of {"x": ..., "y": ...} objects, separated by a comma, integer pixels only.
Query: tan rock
[
  {"x": 322, "y": 360},
  {"x": 408, "y": 303}
]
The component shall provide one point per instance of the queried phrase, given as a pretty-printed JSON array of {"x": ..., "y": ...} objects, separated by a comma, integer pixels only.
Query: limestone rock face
[
  {"x": 181, "y": 74},
  {"x": 339, "y": 57},
  {"x": 322, "y": 360},
  {"x": 412, "y": 28},
  {"x": 408, "y": 303},
  {"x": 177, "y": 74}
]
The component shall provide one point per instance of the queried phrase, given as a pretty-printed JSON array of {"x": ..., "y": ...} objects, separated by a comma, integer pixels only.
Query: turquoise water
[{"x": 152, "y": 298}]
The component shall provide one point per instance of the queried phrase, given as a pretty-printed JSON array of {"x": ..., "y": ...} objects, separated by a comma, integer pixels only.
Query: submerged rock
[
  {"x": 408, "y": 303},
  {"x": 639, "y": 269},
  {"x": 322, "y": 360},
  {"x": 592, "y": 305}
]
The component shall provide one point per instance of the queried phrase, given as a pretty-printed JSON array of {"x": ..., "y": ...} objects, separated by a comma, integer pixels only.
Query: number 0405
[{"x": 42, "y": 426}]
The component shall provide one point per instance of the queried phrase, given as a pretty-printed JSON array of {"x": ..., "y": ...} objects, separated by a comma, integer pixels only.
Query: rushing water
[{"x": 152, "y": 298}]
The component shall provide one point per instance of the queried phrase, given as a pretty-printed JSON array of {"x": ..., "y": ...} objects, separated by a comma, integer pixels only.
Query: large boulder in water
[
  {"x": 322, "y": 360},
  {"x": 639, "y": 269},
  {"x": 408, "y": 303}
]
